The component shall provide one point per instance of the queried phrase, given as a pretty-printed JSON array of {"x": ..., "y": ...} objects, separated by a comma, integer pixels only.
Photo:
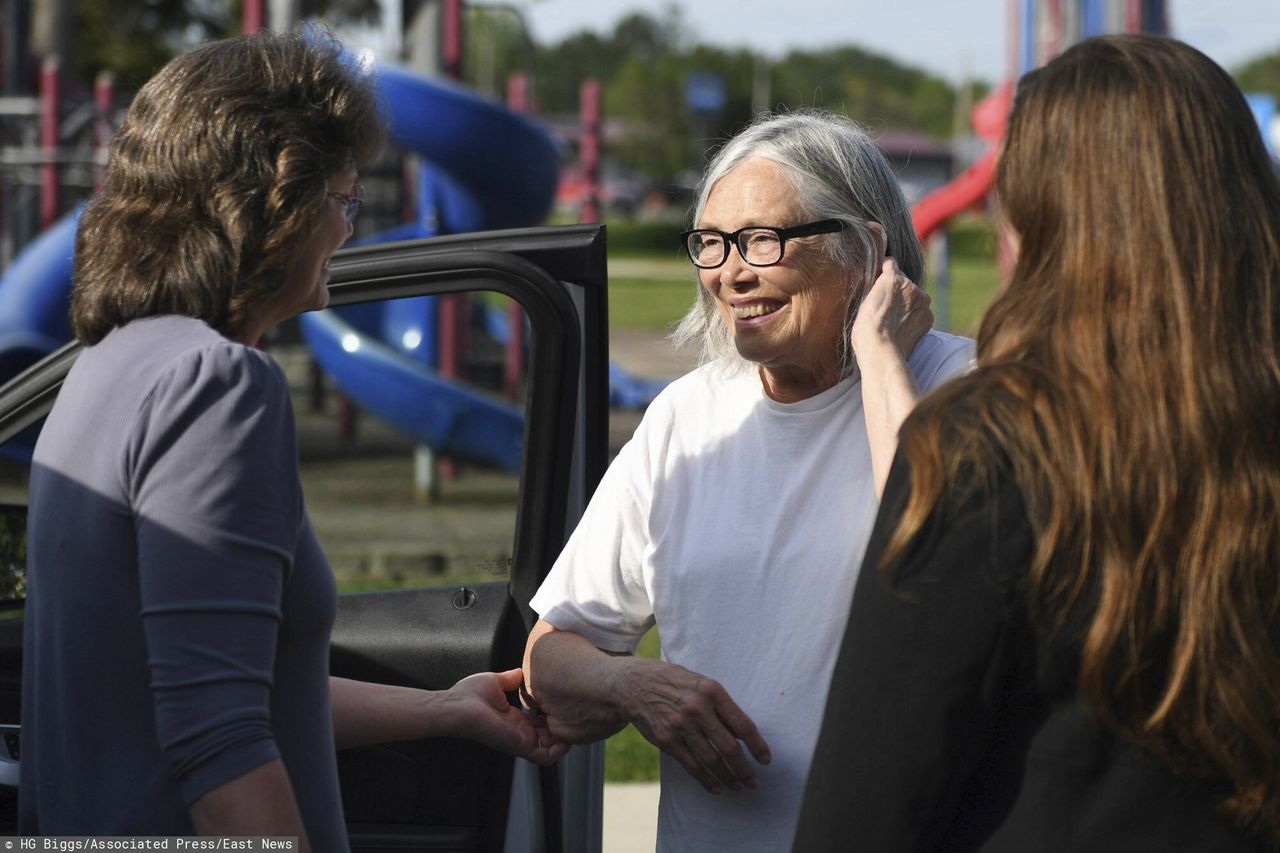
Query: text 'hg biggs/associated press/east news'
[{"x": 70, "y": 843}]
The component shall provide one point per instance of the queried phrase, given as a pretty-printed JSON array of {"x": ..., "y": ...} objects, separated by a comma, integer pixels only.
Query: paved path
[
  {"x": 630, "y": 817},
  {"x": 645, "y": 353},
  {"x": 677, "y": 267},
  {"x": 648, "y": 353}
]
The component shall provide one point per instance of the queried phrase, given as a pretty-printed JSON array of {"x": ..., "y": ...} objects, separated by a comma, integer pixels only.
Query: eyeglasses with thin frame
[
  {"x": 352, "y": 203},
  {"x": 759, "y": 245}
]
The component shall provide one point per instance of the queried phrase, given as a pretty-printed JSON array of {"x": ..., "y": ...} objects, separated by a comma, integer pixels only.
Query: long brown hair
[
  {"x": 1130, "y": 373},
  {"x": 217, "y": 174}
]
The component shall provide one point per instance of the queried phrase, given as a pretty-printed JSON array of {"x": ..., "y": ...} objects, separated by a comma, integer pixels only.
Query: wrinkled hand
[
  {"x": 692, "y": 718},
  {"x": 485, "y": 716},
  {"x": 894, "y": 310}
]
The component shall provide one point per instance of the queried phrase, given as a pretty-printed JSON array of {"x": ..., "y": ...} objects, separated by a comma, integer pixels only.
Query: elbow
[
  {"x": 528, "y": 693},
  {"x": 566, "y": 679}
]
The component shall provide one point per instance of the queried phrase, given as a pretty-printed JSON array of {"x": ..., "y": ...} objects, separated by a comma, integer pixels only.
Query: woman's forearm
[
  {"x": 588, "y": 694},
  {"x": 477, "y": 708},
  {"x": 893, "y": 317},
  {"x": 889, "y": 394},
  {"x": 575, "y": 684},
  {"x": 260, "y": 802},
  {"x": 366, "y": 713}
]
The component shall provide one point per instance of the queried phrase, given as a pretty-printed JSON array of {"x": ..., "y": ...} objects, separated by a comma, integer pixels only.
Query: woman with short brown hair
[{"x": 176, "y": 650}]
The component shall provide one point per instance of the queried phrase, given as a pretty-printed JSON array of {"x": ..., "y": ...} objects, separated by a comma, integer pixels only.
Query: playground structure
[
  {"x": 481, "y": 166},
  {"x": 1038, "y": 31}
]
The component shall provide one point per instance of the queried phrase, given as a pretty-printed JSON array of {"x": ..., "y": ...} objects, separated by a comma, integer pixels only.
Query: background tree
[
  {"x": 1261, "y": 75},
  {"x": 563, "y": 66},
  {"x": 498, "y": 45},
  {"x": 646, "y": 62},
  {"x": 133, "y": 38},
  {"x": 873, "y": 89}
]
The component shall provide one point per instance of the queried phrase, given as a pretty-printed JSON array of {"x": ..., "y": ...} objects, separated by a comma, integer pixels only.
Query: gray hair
[{"x": 837, "y": 172}]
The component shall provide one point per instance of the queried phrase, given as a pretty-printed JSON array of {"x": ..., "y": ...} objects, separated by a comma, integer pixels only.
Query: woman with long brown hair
[{"x": 1074, "y": 641}]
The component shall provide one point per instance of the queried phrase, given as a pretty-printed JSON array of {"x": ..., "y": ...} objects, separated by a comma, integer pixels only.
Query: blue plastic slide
[
  {"x": 437, "y": 412},
  {"x": 35, "y": 296},
  {"x": 484, "y": 167}
]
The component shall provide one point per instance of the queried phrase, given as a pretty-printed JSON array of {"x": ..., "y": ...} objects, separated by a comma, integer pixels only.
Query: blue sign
[{"x": 704, "y": 92}]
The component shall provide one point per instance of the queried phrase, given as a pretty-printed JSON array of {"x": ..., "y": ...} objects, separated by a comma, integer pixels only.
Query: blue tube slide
[
  {"x": 490, "y": 167},
  {"x": 484, "y": 167},
  {"x": 35, "y": 297},
  {"x": 438, "y": 412}
]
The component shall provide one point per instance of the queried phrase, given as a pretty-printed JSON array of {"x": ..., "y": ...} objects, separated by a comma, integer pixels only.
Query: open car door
[{"x": 452, "y": 416}]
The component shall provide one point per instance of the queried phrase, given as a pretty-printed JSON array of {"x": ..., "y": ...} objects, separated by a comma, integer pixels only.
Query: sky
[{"x": 952, "y": 38}]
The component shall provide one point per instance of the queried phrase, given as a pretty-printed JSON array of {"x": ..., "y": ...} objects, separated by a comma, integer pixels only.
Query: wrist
[
  {"x": 872, "y": 354},
  {"x": 439, "y": 712},
  {"x": 621, "y": 684}
]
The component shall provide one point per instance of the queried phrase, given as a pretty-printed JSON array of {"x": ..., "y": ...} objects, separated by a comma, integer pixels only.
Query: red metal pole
[
  {"x": 452, "y": 47},
  {"x": 1055, "y": 28},
  {"x": 255, "y": 15},
  {"x": 589, "y": 149},
  {"x": 1012, "y": 21},
  {"x": 454, "y": 308},
  {"x": 518, "y": 92},
  {"x": 513, "y": 361},
  {"x": 50, "y": 109},
  {"x": 104, "y": 88}
]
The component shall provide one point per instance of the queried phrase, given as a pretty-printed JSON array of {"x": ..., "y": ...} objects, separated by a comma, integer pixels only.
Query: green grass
[
  {"x": 648, "y": 303},
  {"x": 974, "y": 282},
  {"x": 413, "y": 580}
]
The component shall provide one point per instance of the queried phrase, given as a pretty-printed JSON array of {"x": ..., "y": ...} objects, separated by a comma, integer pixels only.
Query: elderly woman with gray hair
[{"x": 736, "y": 517}]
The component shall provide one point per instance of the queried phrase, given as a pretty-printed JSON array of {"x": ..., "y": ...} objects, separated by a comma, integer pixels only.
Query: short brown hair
[{"x": 218, "y": 171}]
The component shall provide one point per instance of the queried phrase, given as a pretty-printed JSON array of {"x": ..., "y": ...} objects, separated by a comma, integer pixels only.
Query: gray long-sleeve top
[{"x": 179, "y": 606}]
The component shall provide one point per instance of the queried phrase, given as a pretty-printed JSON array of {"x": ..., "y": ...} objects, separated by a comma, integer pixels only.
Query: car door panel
[{"x": 379, "y": 637}]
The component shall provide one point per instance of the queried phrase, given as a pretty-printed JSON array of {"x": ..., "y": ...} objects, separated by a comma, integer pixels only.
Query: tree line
[{"x": 643, "y": 65}]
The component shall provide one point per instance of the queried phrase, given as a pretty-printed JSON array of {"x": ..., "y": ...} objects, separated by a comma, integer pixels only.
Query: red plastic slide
[{"x": 970, "y": 187}]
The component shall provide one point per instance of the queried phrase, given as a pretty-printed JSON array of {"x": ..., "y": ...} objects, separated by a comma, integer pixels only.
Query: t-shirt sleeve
[
  {"x": 211, "y": 471},
  {"x": 925, "y": 673},
  {"x": 941, "y": 356},
  {"x": 596, "y": 587}
]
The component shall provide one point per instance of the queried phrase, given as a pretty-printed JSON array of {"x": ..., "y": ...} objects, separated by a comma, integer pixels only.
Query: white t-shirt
[{"x": 737, "y": 523}]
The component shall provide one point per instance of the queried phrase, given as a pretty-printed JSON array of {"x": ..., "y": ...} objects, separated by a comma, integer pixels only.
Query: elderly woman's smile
[{"x": 752, "y": 310}]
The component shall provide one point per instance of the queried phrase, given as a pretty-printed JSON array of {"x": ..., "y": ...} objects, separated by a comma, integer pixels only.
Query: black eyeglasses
[
  {"x": 352, "y": 203},
  {"x": 759, "y": 245}
]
